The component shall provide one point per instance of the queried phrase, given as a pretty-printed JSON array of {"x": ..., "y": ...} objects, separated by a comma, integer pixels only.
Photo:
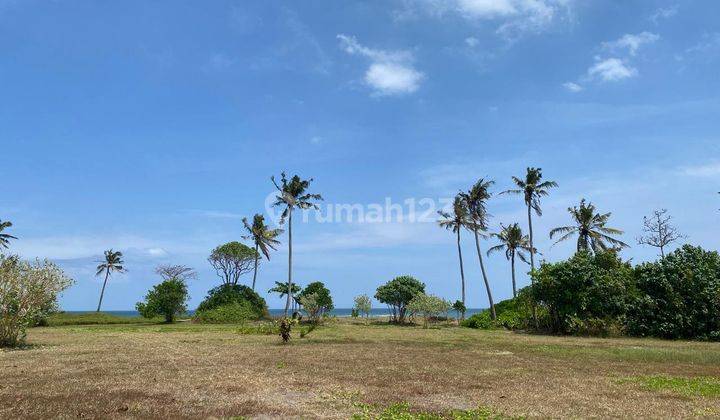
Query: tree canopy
[
  {"x": 232, "y": 260},
  {"x": 397, "y": 294}
]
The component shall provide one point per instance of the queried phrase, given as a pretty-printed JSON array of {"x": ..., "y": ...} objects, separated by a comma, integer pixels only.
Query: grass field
[{"x": 347, "y": 368}]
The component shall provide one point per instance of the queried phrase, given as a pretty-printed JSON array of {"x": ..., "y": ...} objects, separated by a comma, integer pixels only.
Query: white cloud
[
  {"x": 390, "y": 72},
  {"x": 486, "y": 9},
  {"x": 157, "y": 252},
  {"x": 706, "y": 170},
  {"x": 632, "y": 42},
  {"x": 611, "y": 70},
  {"x": 572, "y": 87},
  {"x": 663, "y": 13},
  {"x": 471, "y": 41}
]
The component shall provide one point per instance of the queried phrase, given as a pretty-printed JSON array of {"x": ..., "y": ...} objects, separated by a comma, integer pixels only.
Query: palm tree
[
  {"x": 590, "y": 228},
  {"x": 513, "y": 242},
  {"x": 293, "y": 193},
  {"x": 455, "y": 222},
  {"x": 532, "y": 189},
  {"x": 475, "y": 200},
  {"x": 263, "y": 237},
  {"x": 113, "y": 263},
  {"x": 4, "y": 237},
  {"x": 282, "y": 288}
]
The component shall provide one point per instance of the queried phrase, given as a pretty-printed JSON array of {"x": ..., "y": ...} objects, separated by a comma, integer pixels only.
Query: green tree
[
  {"x": 428, "y": 306},
  {"x": 460, "y": 308},
  {"x": 532, "y": 188},
  {"x": 397, "y": 293},
  {"x": 322, "y": 296},
  {"x": 263, "y": 237},
  {"x": 590, "y": 228},
  {"x": 4, "y": 237},
  {"x": 293, "y": 194},
  {"x": 230, "y": 294},
  {"x": 281, "y": 288},
  {"x": 363, "y": 305},
  {"x": 455, "y": 222},
  {"x": 476, "y": 200},
  {"x": 113, "y": 264},
  {"x": 232, "y": 260},
  {"x": 513, "y": 242},
  {"x": 167, "y": 299}
]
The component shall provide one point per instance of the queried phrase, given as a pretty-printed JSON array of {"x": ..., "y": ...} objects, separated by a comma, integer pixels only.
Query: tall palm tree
[
  {"x": 113, "y": 263},
  {"x": 455, "y": 222},
  {"x": 293, "y": 193},
  {"x": 532, "y": 189},
  {"x": 263, "y": 237},
  {"x": 4, "y": 237},
  {"x": 514, "y": 243},
  {"x": 590, "y": 228},
  {"x": 475, "y": 200}
]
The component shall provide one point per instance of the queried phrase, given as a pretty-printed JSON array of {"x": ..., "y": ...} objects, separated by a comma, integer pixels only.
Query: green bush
[
  {"x": 512, "y": 314},
  {"x": 231, "y": 313},
  {"x": 398, "y": 293},
  {"x": 235, "y": 293},
  {"x": 166, "y": 299},
  {"x": 678, "y": 296}
]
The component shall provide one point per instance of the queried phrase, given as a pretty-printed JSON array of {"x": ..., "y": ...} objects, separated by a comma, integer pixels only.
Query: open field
[{"x": 346, "y": 368}]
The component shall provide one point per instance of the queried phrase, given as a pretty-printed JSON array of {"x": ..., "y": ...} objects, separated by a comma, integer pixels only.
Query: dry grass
[{"x": 187, "y": 370}]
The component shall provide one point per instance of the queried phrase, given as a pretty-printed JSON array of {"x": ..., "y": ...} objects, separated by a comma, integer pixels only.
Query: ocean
[{"x": 279, "y": 312}]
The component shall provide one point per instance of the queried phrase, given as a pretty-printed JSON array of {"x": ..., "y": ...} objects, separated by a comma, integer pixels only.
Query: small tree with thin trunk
[
  {"x": 659, "y": 232},
  {"x": 113, "y": 264},
  {"x": 513, "y": 242},
  {"x": 363, "y": 305},
  {"x": 179, "y": 272},
  {"x": 263, "y": 237},
  {"x": 231, "y": 261}
]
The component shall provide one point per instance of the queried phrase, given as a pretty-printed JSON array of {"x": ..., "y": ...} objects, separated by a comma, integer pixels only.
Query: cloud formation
[
  {"x": 611, "y": 70},
  {"x": 632, "y": 42},
  {"x": 390, "y": 72}
]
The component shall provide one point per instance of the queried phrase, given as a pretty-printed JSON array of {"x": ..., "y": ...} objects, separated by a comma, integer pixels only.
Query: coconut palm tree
[
  {"x": 293, "y": 194},
  {"x": 282, "y": 288},
  {"x": 514, "y": 243},
  {"x": 532, "y": 189},
  {"x": 263, "y": 237},
  {"x": 475, "y": 200},
  {"x": 113, "y": 263},
  {"x": 590, "y": 228},
  {"x": 455, "y": 222},
  {"x": 4, "y": 237}
]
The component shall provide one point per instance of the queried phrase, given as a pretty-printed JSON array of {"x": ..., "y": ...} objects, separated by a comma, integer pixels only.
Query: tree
[
  {"x": 311, "y": 306},
  {"x": 513, "y": 242},
  {"x": 167, "y": 299},
  {"x": 262, "y": 237},
  {"x": 455, "y": 222},
  {"x": 178, "y": 272},
  {"x": 397, "y": 293},
  {"x": 231, "y": 294},
  {"x": 363, "y": 305},
  {"x": 281, "y": 288},
  {"x": 113, "y": 264},
  {"x": 532, "y": 190},
  {"x": 428, "y": 306},
  {"x": 659, "y": 232},
  {"x": 232, "y": 260},
  {"x": 460, "y": 308},
  {"x": 293, "y": 194},
  {"x": 28, "y": 291},
  {"x": 475, "y": 200},
  {"x": 590, "y": 228},
  {"x": 322, "y": 297},
  {"x": 4, "y": 237}
]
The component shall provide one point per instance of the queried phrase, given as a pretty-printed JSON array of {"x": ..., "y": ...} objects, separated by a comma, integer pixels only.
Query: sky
[{"x": 153, "y": 128}]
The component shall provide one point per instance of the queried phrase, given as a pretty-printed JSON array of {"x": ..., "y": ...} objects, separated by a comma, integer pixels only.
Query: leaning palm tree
[
  {"x": 455, "y": 222},
  {"x": 590, "y": 228},
  {"x": 293, "y": 193},
  {"x": 4, "y": 237},
  {"x": 514, "y": 243},
  {"x": 475, "y": 200},
  {"x": 113, "y": 263},
  {"x": 532, "y": 189},
  {"x": 263, "y": 237}
]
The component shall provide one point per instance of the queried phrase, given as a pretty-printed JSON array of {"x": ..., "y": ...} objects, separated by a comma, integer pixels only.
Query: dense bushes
[
  {"x": 512, "y": 314},
  {"x": 166, "y": 299},
  {"x": 679, "y": 296},
  {"x": 229, "y": 313},
  {"x": 234, "y": 293}
]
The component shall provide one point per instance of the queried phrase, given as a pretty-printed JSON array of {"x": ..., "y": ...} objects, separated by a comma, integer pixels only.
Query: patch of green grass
[
  {"x": 402, "y": 411},
  {"x": 97, "y": 318},
  {"x": 691, "y": 387}
]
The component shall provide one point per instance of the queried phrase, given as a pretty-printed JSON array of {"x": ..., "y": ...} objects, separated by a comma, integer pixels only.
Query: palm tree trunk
[
  {"x": 462, "y": 271},
  {"x": 482, "y": 268},
  {"x": 512, "y": 266},
  {"x": 532, "y": 247},
  {"x": 256, "y": 265},
  {"x": 289, "y": 294},
  {"x": 102, "y": 293}
]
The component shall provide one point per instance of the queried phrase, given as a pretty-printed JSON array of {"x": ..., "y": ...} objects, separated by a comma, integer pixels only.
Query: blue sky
[{"x": 154, "y": 127}]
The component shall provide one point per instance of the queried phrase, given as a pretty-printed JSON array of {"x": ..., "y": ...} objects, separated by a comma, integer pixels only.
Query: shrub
[
  {"x": 363, "y": 305},
  {"x": 285, "y": 326},
  {"x": 678, "y": 296},
  {"x": 460, "y": 308},
  {"x": 231, "y": 313},
  {"x": 28, "y": 292},
  {"x": 311, "y": 306},
  {"x": 587, "y": 286},
  {"x": 398, "y": 293},
  {"x": 322, "y": 297},
  {"x": 234, "y": 293},
  {"x": 512, "y": 314},
  {"x": 428, "y": 306},
  {"x": 166, "y": 299}
]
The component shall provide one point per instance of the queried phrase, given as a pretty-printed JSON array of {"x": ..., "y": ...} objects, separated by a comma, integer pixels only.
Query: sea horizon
[{"x": 273, "y": 312}]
